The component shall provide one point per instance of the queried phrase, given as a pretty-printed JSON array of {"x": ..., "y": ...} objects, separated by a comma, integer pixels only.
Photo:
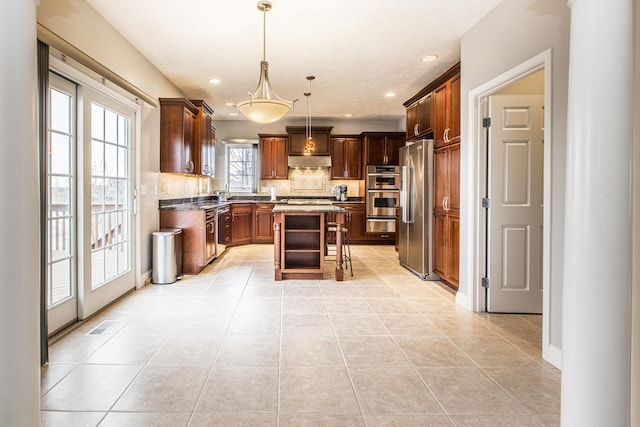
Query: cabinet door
[
  {"x": 375, "y": 149},
  {"x": 338, "y": 161},
  {"x": 453, "y": 249},
  {"x": 394, "y": 142},
  {"x": 353, "y": 158},
  {"x": 424, "y": 119},
  {"x": 441, "y": 107},
  {"x": 177, "y": 127},
  {"x": 266, "y": 158},
  {"x": 241, "y": 223},
  {"x": 413, "y": 128},
  {"x": 454, "y": 113},
  {"x": 358, "y": 224},
  {"x": 263, "y": 227},
  {"x": 440, "y": 179},
  {"x": 273, "y": 158},
  {"x": 440, "y": 246},
  {"x": 279, "y": 159},
  {"x": 298, "y": 138},
  {"x": 191, "y": 156},
  {"x": 453, "y": 203}
]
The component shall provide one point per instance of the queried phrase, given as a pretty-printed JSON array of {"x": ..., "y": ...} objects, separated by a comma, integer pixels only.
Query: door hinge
[
  {"x": 486, "y": 122},
  {"x": 485, "y": 282},
  {"x": 486, "y": 202}
]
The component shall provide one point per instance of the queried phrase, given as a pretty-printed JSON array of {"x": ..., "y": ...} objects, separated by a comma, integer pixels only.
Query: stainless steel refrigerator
[{"x": 416, "y": 208}]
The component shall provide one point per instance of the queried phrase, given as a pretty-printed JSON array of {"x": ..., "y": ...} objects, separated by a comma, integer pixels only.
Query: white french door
[
  {"x": 61, "y": 263},
  {"x": 106, "y": 215},
  {"x": 90, "y": 236}
]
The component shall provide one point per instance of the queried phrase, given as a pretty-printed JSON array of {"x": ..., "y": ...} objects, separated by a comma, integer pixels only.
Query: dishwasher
[{"x": 223, "y": 230}]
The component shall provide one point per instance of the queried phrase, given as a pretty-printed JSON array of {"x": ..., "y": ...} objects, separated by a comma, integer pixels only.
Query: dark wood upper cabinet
[
  {"x": 446, "y": 128},
  {"x": 273, "y": 157},
  {"x": 178, "y": 151},
  {"x": 298, "y": 138},
  {"x": 205, "y": 138},
  {"x": 419, "y": 119},
  {"x": 382, "y": 148},
  {"x": 346, "y": 157}
]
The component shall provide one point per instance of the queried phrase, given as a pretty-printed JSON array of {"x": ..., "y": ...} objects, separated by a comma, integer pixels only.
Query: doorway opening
[{"x": 523, "y": 79}]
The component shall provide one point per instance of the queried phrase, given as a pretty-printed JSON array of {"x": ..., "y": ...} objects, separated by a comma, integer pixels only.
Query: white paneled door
[{"x": 516, "y": 197}]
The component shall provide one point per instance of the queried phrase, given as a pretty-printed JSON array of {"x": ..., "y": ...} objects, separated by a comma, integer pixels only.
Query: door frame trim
[{"x": 474, "y": 253}]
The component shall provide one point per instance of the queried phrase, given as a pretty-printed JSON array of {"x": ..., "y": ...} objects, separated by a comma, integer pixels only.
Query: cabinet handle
[
  {"x": 444, "y": 208},
  {"x": 416, "y": 129},
  {"x": 446, "y": 135}
]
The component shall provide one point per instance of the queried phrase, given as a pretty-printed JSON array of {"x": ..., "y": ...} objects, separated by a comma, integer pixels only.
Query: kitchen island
[{"x": 299, "y": 240}]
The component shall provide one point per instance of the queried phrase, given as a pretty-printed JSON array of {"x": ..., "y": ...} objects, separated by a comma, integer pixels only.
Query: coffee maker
[{"x": 341, "y": 192}]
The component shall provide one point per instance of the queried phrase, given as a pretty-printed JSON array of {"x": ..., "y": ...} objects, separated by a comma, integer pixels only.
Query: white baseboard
[
  {"x": 553, "y": 355},
  {"x": 463, "y": 301},
  {"x": 145, "y": 279}
]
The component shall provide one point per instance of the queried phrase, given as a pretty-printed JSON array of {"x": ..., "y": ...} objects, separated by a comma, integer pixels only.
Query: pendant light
[
  {"x": 309, "y": 144},
  {"x": 264, "y": 106}
]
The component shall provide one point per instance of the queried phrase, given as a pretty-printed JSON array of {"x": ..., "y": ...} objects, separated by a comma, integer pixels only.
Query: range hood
[{"x": 313, "y": 162}]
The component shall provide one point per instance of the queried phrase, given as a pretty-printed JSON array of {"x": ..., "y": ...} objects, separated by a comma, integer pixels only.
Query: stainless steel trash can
[{"x": 167, "y": 256}]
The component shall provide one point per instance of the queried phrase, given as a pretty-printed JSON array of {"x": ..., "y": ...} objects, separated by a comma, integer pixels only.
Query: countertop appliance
[
  {"x": 341, "y": 192},
  {"x": 416, "y": 209}
]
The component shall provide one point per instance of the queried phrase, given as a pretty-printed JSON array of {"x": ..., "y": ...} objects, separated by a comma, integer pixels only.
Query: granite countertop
[{"x": 190, "y": 204}]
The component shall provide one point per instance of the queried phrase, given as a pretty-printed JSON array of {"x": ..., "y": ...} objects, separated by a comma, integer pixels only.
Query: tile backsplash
[{"x": 300, "y": 183}]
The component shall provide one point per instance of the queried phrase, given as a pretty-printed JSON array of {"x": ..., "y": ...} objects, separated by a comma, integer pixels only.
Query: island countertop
[{"x": 307, "y": 208}]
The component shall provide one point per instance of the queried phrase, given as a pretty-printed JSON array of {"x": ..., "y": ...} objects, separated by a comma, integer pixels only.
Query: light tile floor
[{"x": 233, "y": 347}]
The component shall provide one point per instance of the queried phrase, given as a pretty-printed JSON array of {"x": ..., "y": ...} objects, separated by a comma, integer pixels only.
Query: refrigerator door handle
[{"x": 405, "y": 196}]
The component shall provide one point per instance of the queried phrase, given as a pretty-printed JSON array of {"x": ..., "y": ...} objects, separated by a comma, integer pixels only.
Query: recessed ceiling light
[
  {"x": 429, "y": 58},
  {"x": 214, "y": 81},
  {"x": 348, "y": 115},
  {"x": 389, "y": 94}
]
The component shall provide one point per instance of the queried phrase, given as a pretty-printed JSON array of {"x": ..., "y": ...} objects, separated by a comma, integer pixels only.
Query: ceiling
[{"x": 358, "y": 51}]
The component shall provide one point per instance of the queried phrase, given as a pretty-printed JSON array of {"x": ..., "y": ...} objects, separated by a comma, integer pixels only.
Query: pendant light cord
[{"x": 264, "y": 35}]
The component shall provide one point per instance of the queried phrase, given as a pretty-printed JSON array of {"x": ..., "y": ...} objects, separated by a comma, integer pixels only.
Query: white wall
[
  {"x": 19, "y": 224},
  {"x": 635, "y": 349},
  {"x": 515, "y": 31},
  {"x": 79, "y": 24}
]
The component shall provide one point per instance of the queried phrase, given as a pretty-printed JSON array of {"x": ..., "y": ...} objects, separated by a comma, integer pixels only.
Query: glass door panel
[
  {"x": 108, "y": 243},
  {"x": 61, "y": 262}
]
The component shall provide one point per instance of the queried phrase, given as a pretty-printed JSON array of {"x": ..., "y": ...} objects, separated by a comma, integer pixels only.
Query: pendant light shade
[{"x": 264, "y": 106}]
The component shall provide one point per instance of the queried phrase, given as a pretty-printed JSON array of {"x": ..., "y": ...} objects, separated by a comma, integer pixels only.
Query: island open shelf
[{"x": 299, "y": 241}]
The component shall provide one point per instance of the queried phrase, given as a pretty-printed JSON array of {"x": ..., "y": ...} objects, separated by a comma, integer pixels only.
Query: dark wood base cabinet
[
  {"x": 356, "y": 222},
  {"x": 263, "y": 225},
  {"x": 198, "y": 236},
  {"x": 446, "y": 244},
  {"x": 241, "y": 223}
]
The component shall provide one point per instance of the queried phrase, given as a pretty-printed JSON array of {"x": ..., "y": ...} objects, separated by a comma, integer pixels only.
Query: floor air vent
[{"x": 102, "y": 327}]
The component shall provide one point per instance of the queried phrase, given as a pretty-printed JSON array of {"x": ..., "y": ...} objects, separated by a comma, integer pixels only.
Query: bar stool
[{"x": 331, "y": 250}]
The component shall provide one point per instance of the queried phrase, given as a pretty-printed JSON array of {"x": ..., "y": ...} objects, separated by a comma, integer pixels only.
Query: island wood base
[{"x": 299, "y": 243}]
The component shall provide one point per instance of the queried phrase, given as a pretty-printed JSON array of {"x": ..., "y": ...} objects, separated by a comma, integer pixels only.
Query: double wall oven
[{"x": 383, "y": 197}]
